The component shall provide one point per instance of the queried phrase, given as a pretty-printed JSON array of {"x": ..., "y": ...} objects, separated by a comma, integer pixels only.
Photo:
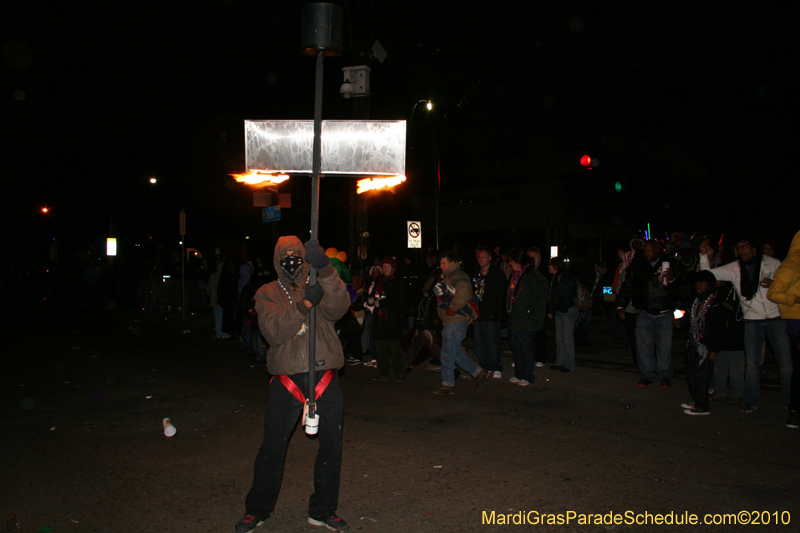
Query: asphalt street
[{"x": 84, "y": 394}]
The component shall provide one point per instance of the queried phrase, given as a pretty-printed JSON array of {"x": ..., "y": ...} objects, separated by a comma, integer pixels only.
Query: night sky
[{"x": 690, "y": 105}]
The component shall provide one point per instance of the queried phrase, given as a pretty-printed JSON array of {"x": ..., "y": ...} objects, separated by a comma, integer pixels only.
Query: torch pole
[{"x": 315, "y": 176}]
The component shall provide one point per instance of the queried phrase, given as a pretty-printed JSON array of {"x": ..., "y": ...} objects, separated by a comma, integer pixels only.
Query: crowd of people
[
  {"x": 729, "y": 301},
  {"x": 403, "y": 318}
]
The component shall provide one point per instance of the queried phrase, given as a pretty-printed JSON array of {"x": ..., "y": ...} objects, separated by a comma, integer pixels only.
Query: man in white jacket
[{"x": 751, "y": 276}]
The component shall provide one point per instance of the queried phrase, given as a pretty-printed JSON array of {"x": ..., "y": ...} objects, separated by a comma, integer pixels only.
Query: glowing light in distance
[
  {"x": 374, "y": 184},
  {"x": 153, "y": 180},
  {"x": 429, "y": 105},
  {"x": 45, "y": 210},
  {"x": 111, "y": 246},
  {"x": 254, "y": 177}
]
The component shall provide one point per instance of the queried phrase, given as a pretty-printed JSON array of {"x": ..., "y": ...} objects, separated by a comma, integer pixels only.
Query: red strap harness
[{"x": 292, "y": 387}]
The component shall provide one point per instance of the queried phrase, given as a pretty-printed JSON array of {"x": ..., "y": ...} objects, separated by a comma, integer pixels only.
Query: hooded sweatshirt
[
  {"x": 283, "y": 318},
  {"x": 786, "y": 285},
  {"x": 758, "y": 307}
]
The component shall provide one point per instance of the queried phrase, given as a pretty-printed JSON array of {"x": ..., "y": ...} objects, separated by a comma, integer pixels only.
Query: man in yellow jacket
[{"x": 785, "y": 291}]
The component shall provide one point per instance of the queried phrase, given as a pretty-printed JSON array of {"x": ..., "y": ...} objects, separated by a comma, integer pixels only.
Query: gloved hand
[
  {"x": 315, "y": 255},
  {"x": 314, "y": 294}
]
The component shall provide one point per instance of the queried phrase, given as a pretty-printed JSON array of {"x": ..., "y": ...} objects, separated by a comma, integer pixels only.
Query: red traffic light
[{"x": 589, "y": 161}]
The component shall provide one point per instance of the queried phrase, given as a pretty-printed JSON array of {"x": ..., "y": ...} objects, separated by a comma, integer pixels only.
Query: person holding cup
[
  {"x": 650, "y": 286},
  {"x": 751, "y": 276}
]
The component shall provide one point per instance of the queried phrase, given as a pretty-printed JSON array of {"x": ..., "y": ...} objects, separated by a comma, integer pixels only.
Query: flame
[
  {"x": 373, "y": 184},
  {"x": 254, "y": 177}
]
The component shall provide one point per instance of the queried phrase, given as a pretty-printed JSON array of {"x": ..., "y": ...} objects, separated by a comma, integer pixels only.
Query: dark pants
[
  {"x": 540, "y": 346},
  {"x": 391, "y": 359},
  {"x": 698, "y": 379},
  {"x": 794, "y": 402},
  {"x": 582, "y": 327},
  {"x": 281, "y": 416},
  {"x": 630, "y": 332},
  {"x": 487, "y": 344},
  {"x": 522, "y": 350}
]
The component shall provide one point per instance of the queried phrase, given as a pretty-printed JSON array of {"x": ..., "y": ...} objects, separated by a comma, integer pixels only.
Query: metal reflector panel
[{"x": 360, "y": 147}]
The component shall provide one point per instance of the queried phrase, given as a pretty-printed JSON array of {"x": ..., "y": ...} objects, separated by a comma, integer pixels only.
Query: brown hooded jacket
[{"x": 283, "y": 318}]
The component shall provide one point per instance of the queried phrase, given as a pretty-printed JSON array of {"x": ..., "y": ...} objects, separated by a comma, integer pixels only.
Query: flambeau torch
[{"x": 321, "y": 35}]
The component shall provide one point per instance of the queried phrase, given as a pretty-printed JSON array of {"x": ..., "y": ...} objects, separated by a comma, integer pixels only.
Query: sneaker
[
  {"x": 480, "y": 380},
  {"x": 747, "y": 408},
  {"x": 688, "y": 405},
  {"x": 523, "y": 383},
  {"x": 696, "y": 412},
  {"x": 248, "y": 523},
  {"x": 666, "y": 384},
  {"x": 539, "y": 364},
  {"x": 794, "y": 420},
  {"x": 372, "y": 362},
  {"x": 720, "y": 397},
  {"x": 444, "y": 390},
  {"x": 513, "y": 379},
  {"x": 333, "y": 522},
  {"x": 497, "y": 375},
  {"x": 644, "y": 382},
  {"x": 434, "y": 368}
]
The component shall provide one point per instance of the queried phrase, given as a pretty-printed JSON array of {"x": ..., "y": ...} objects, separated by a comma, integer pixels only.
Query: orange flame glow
[
  {"x": 373, "y": 184},
  {"x": 254, "y": 177}
]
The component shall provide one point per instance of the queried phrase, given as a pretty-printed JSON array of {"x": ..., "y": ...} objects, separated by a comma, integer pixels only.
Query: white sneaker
[
  {"x": 513, "y": 379},
  {"x": 539, "y": 364},
  {"x": 497, "y": 374},
  {"x": 523, "y": 383},
  {"x": 688, "y": 405}
]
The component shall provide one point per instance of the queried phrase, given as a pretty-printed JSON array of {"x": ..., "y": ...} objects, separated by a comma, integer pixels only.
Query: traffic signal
[{"x": 590, "y": 162}]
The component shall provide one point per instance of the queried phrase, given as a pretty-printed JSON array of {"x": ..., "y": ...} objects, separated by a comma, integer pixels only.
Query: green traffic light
[{"x": 618, "y": 187}]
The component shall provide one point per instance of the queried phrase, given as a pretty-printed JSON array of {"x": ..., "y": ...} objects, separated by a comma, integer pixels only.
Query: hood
[
  {"x": 794, "y": 250},
  {"x": 283, "y": 245}
]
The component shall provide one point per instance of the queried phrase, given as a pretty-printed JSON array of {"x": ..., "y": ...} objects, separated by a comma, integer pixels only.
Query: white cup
[
  {"x": 312, "y": 424},
  {"x": 169, "y": 429}
]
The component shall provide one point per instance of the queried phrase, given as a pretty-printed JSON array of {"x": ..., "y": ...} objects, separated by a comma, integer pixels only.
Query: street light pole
[{"x": 437, "y": 176}]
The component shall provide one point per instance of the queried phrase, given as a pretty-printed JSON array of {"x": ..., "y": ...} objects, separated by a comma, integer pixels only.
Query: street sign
[
  {"x": 414, "y": 233},
  {"x": 271, "y": 214}
]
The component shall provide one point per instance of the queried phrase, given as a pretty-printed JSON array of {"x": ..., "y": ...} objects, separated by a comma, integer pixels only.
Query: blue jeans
[
  {"x": 218, "y": 320},
  {"x": 654, "y": 345},
  {"x": 755, "y": 331},
  {"x": 453, "y": 353},
  {"x": 487, "y": 344},
  {"x": 565, "y": 338},
  {"x": 729, "y": 366}
]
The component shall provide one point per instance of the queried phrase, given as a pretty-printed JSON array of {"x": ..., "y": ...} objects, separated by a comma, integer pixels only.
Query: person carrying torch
[{"x": 283, "y": 308}]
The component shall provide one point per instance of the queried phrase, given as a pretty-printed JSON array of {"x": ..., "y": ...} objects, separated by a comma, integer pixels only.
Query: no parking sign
[{"x": 414, "y": 228}]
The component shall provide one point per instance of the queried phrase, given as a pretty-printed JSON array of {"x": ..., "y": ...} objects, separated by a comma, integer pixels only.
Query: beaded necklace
[
  {"x": 303, "y": 327},
  {"x": 288, "y": 295},
  {"x": 698, "y": 317}
]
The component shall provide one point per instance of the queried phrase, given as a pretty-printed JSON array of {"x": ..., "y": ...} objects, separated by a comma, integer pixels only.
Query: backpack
[{"x": 583, "y": 300}]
